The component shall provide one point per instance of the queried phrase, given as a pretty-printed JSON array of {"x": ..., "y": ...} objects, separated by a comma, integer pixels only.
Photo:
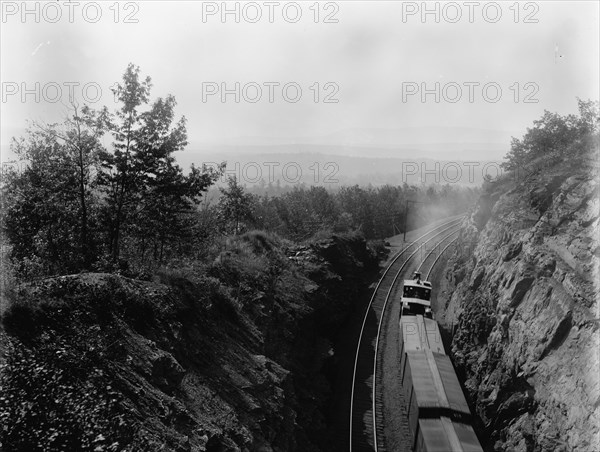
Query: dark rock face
[
  {"x": 523, "y": 302},
  {"x": 166, "y": 372},
  {"x": 231, "y": 360}
]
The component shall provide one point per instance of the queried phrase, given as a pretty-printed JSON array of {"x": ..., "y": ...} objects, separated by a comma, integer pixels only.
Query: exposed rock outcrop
[{"x": 523, "y": 303}]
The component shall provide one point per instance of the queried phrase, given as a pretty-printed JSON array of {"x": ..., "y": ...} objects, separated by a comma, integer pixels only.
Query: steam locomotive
[{"x": 438, "y": 415}]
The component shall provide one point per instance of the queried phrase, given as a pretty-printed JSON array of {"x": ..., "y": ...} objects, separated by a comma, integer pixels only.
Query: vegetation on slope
[
  {"x": 229, "y": 358},
  {"x": 523, "y": 291},
  {"x": 79, "y": 204},
  {"x": 136, "y": 316}
]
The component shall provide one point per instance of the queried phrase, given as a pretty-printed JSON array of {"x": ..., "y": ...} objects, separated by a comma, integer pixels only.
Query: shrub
[{"x": 53, "y": 400}]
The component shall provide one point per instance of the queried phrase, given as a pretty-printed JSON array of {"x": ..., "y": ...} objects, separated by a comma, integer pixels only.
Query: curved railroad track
[
  {"x": 441, "y": 253},
  {"x": 366, "y": 404},
  {"x": 437, "y": 256}
]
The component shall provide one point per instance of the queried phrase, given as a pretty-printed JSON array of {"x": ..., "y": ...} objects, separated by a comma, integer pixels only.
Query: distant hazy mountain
[
  {"x": 295, "y": 164},
  {"x": 358, "y": 156},
  {"x": 431, "y": 142},
  {"x": 418, "y": 136}
]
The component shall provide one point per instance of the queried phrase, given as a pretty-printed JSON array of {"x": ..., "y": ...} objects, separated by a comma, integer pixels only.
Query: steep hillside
[
  {"x": 228, "y": 359},
  {"x": 521, "y": 298}
]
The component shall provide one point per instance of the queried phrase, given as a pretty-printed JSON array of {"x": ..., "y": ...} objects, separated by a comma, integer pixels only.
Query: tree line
[
  {"x": 301, "y": 212},
  {"x": 78, "y": 206},
  {"x": 81, "y": 205}
]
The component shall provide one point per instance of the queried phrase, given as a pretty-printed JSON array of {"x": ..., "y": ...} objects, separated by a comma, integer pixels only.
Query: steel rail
[
  {"x": 385, "y": 274},
  {"x": 431, "y": 252},
  {"x": 387, "y": 297},
  {"x": 440, "y": 255}
]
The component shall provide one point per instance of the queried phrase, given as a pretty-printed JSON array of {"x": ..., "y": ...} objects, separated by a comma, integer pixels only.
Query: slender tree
[
  {"x": 235, "y": 206},
  {"x": 146, "y": 191},
  {"x": 123, "y": 170},
  {"x": 80, "y": 135}
]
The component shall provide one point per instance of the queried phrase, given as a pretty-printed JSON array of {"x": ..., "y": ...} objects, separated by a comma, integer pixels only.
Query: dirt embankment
[
  {"x": 522, "y": 298},
  {"x": 231, "y": 358}
]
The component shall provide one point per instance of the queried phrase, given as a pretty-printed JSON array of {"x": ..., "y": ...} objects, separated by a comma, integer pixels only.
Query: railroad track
[
  {"x": 366, "y": 404},
  {"x": 439, "y": 254}
]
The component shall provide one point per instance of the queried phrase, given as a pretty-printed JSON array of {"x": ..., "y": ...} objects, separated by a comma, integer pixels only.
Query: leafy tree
[
  {"x": 378, "y": 212},
  {"x": 81, "y": 137},
  {"x": 74, "y": 194},
  {"x": 41, "y": 203},
  {"x": 358, "y": 202},
  {"x": 589, "y": 116},
  {"x": 553, "y": 136},
  {"x": 47, "y": 216},
  {"x": 145, "y": 189},
  {"x": 266, "y": 215},
  {"x": 124, "y": 169},
  {"x": 167, "y": 212},
  {"x": 388, "y": 210},
  {"x": 235, "y": 206},
  {"x": 205, "y": 229},
  {"x": 517, "y": 155}
]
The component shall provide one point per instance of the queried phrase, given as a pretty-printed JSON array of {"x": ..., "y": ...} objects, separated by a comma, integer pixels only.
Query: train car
[
  {"x": 445, "y": 435},
  {"x": 416, "y": 296},
  {"x": 432, "y": 390},
  {"x": 418, "y": 333}
]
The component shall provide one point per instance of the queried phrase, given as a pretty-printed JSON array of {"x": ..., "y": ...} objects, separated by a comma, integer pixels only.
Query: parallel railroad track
[
  {"x": 437, "y": 257},
  {"x": 366, "y": 412}
]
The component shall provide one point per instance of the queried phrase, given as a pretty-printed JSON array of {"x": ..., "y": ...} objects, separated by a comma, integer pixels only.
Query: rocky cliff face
[
  {"x": 230, "y": 359},
  {"x": 522, "y": 299}
]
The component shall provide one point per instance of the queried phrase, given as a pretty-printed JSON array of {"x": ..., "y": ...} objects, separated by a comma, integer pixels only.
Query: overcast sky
[{"x": 373, "y": 58}]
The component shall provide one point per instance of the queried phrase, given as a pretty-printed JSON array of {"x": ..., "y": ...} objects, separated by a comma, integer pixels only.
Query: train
[
  {"x": 416, "y": 296},
  {"x": 439, "y": 418}
]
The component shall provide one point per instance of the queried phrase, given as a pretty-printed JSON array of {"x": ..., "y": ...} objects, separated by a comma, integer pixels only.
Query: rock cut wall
[{"x": 522, "y": 304}]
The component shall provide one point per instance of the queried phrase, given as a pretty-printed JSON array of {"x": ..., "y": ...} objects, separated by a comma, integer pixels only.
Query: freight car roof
[
  {"x": 435, "y": 383},
  {"x": 420, "y": 333},
  {"x": 444, "y": 434}
]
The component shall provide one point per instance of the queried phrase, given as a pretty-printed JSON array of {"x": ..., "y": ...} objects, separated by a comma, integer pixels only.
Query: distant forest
[
  {"x": 300, "y": 212},
  {"x": 80, "y": 206}
]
